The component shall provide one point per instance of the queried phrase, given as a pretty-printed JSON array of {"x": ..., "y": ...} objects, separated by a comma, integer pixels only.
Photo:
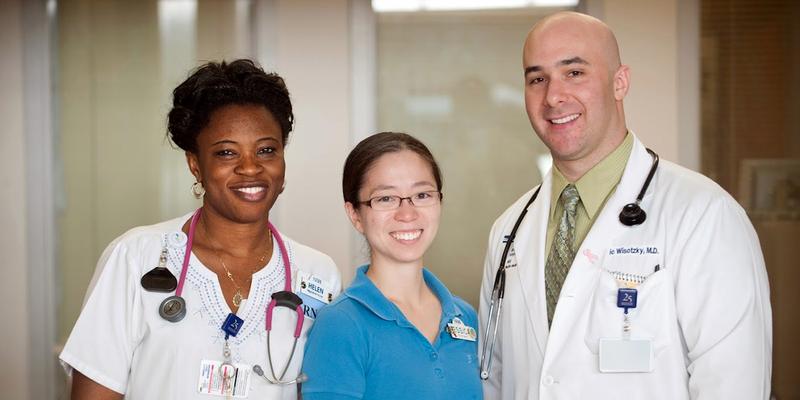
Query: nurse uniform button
[
  {"x": 176, "y": 240},
  {"x": 548, "y": 380}
]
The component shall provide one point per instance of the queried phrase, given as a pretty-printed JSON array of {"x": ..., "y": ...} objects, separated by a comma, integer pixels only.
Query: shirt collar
[
  {"x": 596, "y": 184},
  {"x": 364, "y": 291}
]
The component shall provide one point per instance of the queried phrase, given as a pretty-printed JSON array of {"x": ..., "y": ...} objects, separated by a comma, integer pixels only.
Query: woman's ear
[
  {"x": 194, "y": 166},
  {"x": 355, "y": 217}
]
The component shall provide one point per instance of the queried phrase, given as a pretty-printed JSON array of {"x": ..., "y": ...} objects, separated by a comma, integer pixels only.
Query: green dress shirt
[{"x": 594, "y": 187}]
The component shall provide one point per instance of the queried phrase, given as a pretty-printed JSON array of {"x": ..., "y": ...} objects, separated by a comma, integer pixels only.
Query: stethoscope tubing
[
  {"x": 272, "y": 304},
  {"x": 499, "y": 284}
]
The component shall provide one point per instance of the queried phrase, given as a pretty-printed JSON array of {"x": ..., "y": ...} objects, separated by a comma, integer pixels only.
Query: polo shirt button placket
[{"x": 434, "y": 356}]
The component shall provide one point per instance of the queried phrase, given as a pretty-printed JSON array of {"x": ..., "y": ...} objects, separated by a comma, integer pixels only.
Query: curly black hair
[{"x": 217, "y": 84}]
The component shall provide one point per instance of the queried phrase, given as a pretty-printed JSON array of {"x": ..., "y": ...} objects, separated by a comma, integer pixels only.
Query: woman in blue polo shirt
[{"x": 396, "y": 332}]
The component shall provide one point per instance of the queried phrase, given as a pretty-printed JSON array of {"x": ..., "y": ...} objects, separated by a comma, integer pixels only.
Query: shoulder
[
  {"x": 343, "y": 323},
  {"x": 343, "y": 311},
  {"x": 466, "y": 310},
  {"x": 512, "y": 212},
  {"x": 692, "y": 190},
  {"x": 148, "y": 233}
]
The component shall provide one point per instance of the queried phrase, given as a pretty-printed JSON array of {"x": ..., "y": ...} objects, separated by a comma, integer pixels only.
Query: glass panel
[
  {"x": 117, "y": 64},
  {"x": 454, "y": 80}
]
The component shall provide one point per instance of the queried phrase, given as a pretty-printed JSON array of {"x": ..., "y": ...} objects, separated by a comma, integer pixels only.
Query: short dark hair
[
  {"x": 218, "y": 84},
  {"x": 369, "y": 150}
]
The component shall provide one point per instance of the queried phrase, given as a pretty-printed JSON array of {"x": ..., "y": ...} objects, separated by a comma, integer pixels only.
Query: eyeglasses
[{"x": 421, "y": 199}]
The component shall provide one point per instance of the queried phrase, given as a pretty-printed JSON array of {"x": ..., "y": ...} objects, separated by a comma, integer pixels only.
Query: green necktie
[{"x": 562, "y": 251}]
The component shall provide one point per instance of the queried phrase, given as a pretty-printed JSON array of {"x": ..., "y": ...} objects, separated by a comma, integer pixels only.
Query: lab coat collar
[{"x": 364, "y": 291}]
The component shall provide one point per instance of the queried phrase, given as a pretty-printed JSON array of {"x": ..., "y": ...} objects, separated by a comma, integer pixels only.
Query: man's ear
[
  {"x": 622, "y": 82},
  {"x": 355, "y": 217},
  {"x": 194, "y": 166}
]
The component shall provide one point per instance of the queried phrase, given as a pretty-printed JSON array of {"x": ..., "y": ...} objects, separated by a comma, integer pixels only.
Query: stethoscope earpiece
[{"x": 632, "y": 215}]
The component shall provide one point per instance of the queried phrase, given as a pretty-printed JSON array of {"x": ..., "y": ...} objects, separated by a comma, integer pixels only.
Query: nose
[
  {"x": 555, "y": 93},
  {"x": 248, "y": 165},
  {"x": 406, "y": 211}
]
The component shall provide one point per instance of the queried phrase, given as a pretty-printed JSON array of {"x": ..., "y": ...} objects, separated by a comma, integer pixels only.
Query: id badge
[
  {"x": 314, "y": 287},
  {"x": 458, "y": 330},
  {"x": 212, "y": 379},
  {"x": 314, "y": 292},
  {"x": 621, "y": 355}
]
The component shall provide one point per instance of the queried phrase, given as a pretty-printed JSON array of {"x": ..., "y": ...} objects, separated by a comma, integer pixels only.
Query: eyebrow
[
  {"x": 228, "y": 141},
  {"x": 390, "y": 187},
  {"x": 568, "y": 61}
]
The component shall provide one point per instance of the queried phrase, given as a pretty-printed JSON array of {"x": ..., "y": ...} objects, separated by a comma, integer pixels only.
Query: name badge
[
  {"x": 458, "y": 330},
  {"x": 620, "y": 355},
  {"x": 212, "y": 380},
  {"x": 314, "y": 287}
]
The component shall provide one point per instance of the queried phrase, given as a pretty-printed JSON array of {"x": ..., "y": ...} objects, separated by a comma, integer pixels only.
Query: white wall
[
  {"x": 311, "y": 50},
  {"x": 14, "y": 369},
  {"x": 659, "y": 40}
]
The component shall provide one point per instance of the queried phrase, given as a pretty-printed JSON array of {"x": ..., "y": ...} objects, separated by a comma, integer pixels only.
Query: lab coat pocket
[{"x": 651, "y": 319}]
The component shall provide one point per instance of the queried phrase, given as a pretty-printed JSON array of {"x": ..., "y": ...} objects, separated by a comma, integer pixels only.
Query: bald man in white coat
[{"x": 701, "y": 327}]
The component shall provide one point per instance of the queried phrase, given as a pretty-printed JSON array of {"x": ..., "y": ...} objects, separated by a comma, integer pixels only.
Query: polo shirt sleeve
[
  {"x": 109, "y": 327},
  {"x": 335, "y": 359}
]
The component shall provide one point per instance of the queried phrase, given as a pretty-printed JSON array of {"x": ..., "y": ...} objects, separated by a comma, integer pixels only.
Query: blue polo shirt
[{"x": 362, "y": 347}]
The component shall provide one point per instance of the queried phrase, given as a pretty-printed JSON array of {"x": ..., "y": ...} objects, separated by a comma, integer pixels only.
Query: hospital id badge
[
  {"x": 458, "y": 330},
  {"x": 314, "y": 287},
  {"x": 626, "y": 355},
  {"x": 212, "y": 379}
]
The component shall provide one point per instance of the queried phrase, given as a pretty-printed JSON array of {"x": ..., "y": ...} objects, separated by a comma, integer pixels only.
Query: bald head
[
  {"x": 574, "y": 89},
  {"x": 570, "y": 27}
]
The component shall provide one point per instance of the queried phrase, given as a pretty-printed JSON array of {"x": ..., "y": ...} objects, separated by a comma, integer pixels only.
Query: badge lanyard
[{"x": 173, "y": 308}]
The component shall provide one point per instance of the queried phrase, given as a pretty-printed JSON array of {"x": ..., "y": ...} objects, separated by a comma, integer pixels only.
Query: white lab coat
[{"x": 706, "y": 310}]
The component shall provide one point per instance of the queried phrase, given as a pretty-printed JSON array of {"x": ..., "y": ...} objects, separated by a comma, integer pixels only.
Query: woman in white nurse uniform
[{"x": 214, "y": 303}]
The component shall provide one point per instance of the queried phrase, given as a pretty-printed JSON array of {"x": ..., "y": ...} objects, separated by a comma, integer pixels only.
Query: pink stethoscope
[{"x": 173, "y": 308}]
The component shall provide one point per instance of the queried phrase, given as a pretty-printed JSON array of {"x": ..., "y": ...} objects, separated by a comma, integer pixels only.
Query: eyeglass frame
[{"x": 368, "y": 202}]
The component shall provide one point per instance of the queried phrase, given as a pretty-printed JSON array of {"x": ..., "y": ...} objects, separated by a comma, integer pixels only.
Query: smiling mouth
[
  {"x": 251, "y": 193},
  {"x": 564, "y": 120},
  {"x": 407, "y": 236},
  {"x": 251, "y": 190}
]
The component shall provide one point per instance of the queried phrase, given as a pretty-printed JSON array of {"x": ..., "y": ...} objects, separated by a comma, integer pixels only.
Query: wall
[
  {"x": 662, "y": 54},
  {"x": 14, "y": 370},
  {"x": 311, "y": 51}
]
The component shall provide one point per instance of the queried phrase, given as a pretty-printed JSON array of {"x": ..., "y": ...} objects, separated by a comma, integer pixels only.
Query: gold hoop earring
[{"x": 198, "y": 190}]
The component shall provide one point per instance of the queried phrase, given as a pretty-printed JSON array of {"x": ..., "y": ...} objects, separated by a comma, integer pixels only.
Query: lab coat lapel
[
  {"x": 529, "y": 247},
  {"x": 578, "y": 286}
]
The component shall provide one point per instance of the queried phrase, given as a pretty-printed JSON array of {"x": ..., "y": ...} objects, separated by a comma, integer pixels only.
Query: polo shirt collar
[{"x": 364, "y": 291}]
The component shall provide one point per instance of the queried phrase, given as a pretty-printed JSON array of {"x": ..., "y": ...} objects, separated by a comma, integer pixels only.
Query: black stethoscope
[
  {"x": 173, "y": 308},
  {"x": 631, "y": 215}
]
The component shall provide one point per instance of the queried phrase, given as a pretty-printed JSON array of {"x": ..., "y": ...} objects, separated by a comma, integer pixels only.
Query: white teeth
[
  {"x": 406, "y": 235},
  {"x": 566, "y": 119},
  {"x": 251, "y": 190}
]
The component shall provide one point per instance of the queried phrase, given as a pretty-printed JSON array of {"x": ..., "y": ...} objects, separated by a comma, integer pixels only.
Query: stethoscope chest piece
[
  {"x": 632, "y": 215},
  {"x": 172, "y": 309}
]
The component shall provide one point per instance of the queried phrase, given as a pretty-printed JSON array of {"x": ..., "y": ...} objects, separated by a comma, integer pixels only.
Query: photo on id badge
[{"x": 315, "y": 293}]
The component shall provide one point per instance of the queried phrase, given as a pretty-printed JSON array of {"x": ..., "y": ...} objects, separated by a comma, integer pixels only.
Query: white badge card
[
  {"x": 212, "y": 379},
  {"x": 621, "y": 355},
  {"x": 314, "y": 287}
]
